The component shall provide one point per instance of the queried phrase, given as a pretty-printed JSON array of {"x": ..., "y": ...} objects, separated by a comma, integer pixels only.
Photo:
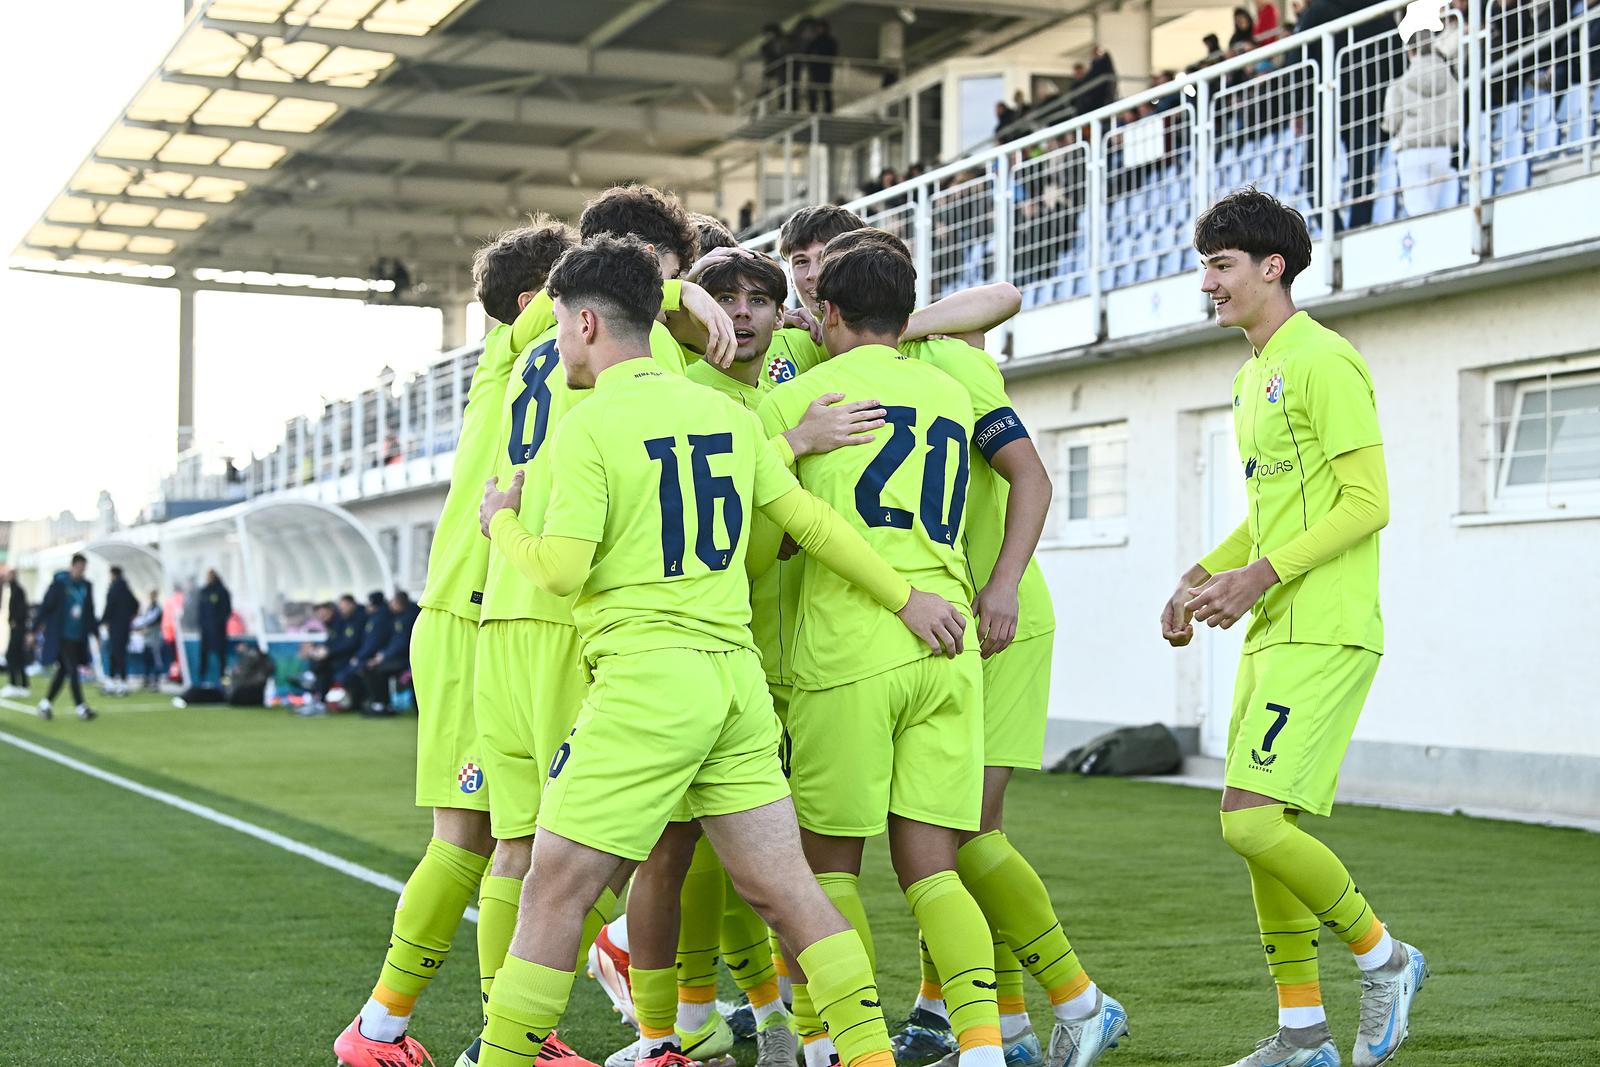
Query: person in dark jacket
[
  {"x": 68, "y": 611},
  {"x": 394, "y": 658},
  {"x": 17, "y": 645},
  {"x": 375, "y": 633},
  {"x": 822, "y": 44},
  {"x": 216, "y": 606},
  {"x": 121, "y": 607},
  {"x": 344, "y": 640}
]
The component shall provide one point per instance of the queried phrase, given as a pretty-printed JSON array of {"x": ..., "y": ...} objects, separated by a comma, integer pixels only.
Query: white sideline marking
[{"x": 249, "y": 829}]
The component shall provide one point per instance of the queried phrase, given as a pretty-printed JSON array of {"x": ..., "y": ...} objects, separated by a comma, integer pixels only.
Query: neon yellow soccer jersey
[
  {"x": 906, "y": 494},
  {"x": 537, "y": 399},
  {"x": 790, "y": 355},
  {"x": 1302, "y": 400},
  {"x": 670, "y": 512},
  {"x": 458, "y": 562},
  {"x": 775, "y": 595},
  {"x": 995, "y": 424}
]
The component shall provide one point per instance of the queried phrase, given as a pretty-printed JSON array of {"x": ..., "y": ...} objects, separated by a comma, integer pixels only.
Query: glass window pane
[{"x": 1575, "y": 433}]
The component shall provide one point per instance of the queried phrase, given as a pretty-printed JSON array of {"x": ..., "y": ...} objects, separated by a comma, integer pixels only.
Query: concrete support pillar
[
  {"x": 1125, "y": 34},
  {"x": 185, "y": 369},
  {"x": 891, "y": 41},
  {"x": 453, "y": 327}
]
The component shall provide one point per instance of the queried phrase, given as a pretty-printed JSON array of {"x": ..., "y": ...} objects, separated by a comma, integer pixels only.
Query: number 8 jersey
[{"x": 906, "y": 493}]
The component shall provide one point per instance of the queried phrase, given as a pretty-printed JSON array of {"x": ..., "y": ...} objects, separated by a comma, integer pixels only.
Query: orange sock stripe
[
  {"x": 650, "y": 1033},
  {"x": 1369, "y": 940},
  {"x": 978, "y": 1037},
  {"x": 697, "y": 994},
  {"x": 779, "y": 967},
  {"x": 396, "y": 1003},
  {"x": 884, "y": 1058},
  {"x": 1013, "y": 1006},
  {"x": 763, "y": 994},
  {"x": 1300, "y": 995},
  {"x": 932, "y": 990},
  {"x": 1070, "y": 988},
  {"x": 820, "y": 1035}
]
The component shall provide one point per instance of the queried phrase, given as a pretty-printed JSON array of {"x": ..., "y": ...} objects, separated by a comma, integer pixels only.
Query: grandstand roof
[{"x": 296, "y": 142}]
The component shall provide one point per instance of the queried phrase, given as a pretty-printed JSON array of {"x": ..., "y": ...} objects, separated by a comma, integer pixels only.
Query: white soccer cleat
[
  {"x": 608, "y": 965},
  {"x": 1082, "y": 1042},
  {"x": 1278, "y": 1051},
  {"x": 44, "y": 711},
  {"x": 1386, "y": 1008}
]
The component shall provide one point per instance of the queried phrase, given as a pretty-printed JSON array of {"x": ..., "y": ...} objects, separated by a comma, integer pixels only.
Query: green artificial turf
[{"x": 137, "y": 934}]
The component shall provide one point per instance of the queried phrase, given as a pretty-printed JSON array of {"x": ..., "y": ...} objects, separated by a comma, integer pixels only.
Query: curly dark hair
[
  {"x": 867, "y": 235},
  {"x": 518, "y": 261},
  {"x": 618, "y": 278},
  {"x": 647, "y": 213},
  {"x": 760, "y": 274},
  {"x": 822, "y": 223},
  {"x": 1257, "y": 223},
  {"x": 873, "y": 286},
  {"x": 710, "y": 233}
]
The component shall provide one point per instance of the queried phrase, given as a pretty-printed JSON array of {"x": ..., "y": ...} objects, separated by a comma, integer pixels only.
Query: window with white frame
[
  {"x": 1089, "y": 465},
  {"x": 1545, "y": 440},
  {"x": 389, "y": 544},
  {"x": 421, "y": 545}
]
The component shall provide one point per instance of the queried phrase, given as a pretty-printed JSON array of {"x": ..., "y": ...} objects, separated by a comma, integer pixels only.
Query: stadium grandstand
[{"x": 1445, "y": 159}]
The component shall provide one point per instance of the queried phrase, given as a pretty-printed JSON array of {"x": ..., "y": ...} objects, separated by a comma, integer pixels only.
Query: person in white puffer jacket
[{"x": 1422, "y": 114}]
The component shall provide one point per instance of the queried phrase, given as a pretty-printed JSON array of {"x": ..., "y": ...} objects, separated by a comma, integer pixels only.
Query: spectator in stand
[
  {"x": 1170, "y": 100},
  {"x": 1100, "y": 85},
  {"x": 1447, "y": 44},
  {"x": 1244, "y": 29},
  {"x": 216, "y": 610},
  {"x": 321, "y": 663},
  {"x": 776, "y": 48},
  {"x": 393, "y": 658},
  {"x": 1019, "y": 103},
  {"x": 17, "y": 642},
  {"x": 67, "y": 612},
  {"x": 171, "y": 618},
  {"x": 121, "y": 607},
  {"x": 1422, "y": 115},
  {"x": 1267, "y": 28},
  {"x": 375, "y": 633},
  {"x": 825, "y": 47},
  {"x": 1003, "y": 116},
  {"x": 147, "y": 627},
  {"x": 747, "y": 215},
  {"x": 1214, "y": 53}
]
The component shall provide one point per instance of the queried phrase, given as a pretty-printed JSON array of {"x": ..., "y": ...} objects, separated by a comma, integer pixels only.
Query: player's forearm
[
  {"x": 1361, "y": 511},
  {"x": 766, "y": 537},
  {"x": 975, "y": 310},
  {"x": 1232, "y": 553},
  {"x": 557, "y": 565},
  {"x": 533, "y": 320},
  {"x": 821, "y": 532},
  {"x": 1027, "y": 507}
]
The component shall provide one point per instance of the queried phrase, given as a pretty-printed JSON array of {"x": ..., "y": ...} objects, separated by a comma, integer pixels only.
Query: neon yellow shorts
[
  {"x": 905, "y": 742},
  {"x": 530, "y": 687},
  {"x": 658, "y": 727},
  {"x": 1295, "y": 707},
  {"x": 1016, "y": 703},
  {"x": 780, "y": 706},
  {"x": 449, "y": 759}
]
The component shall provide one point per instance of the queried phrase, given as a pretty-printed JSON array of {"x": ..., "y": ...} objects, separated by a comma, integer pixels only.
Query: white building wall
[{"x": 1488, "y": 642}]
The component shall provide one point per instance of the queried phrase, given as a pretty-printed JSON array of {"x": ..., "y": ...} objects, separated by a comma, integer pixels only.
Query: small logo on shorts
[
  {"x": 471, "y": 777},
  {"x": 1260, "y": 762}
]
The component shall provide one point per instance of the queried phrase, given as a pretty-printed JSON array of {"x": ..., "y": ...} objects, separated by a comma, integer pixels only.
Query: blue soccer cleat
[
  {"x": 1386, "y": 998},
  {"x": 1082, "y": 1042}
]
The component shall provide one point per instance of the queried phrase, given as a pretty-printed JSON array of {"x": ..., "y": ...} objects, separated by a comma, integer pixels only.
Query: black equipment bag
[{"x": 1130, "y": 750}]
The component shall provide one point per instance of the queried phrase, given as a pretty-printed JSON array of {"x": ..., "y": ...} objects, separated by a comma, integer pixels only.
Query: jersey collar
[
  {"x": 627, "y": 370},
  {"x": 877, "y": 350},
  {"x": 1292, "y": 326}
]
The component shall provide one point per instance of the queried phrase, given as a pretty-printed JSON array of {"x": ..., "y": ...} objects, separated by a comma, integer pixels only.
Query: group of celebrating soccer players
[{"x": 722, "y": 589}]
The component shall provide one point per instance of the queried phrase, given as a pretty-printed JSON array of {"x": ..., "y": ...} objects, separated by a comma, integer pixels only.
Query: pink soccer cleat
[{"x": 356, "y": 1050}]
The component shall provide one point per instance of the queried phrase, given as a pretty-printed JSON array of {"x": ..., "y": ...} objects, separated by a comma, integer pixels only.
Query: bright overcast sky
[{"x": 88, "y": 375}]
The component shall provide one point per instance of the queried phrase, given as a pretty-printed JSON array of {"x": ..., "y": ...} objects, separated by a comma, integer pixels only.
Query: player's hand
[
  {"x": 803, "y": 319},
  {"x": 1224, "y": 600},
  {"x": 705, "y": 310},
  {"x": 715, "y": 256},
  {"x": 1175, "y": 615},
  {"x": 787, "y": 549},
  {"x": 495, "y": 500},
  {"x": 829, "y": 424},
  {"x": 936, "y": 621},
  {"x": 996, "y": 608}
]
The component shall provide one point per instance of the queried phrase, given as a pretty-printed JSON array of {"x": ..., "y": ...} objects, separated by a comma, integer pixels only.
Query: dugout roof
[{"x": 308, "y": 140}]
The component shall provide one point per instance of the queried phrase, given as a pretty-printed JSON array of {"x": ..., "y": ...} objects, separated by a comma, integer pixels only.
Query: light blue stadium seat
[
  {"x": 1108, "y": 279},
  {"x": 1539, "y": 119},
  {"x": 1123, "y": 275},
  {"x": 1034, "y": 295},
  {"x": 1145, "y": 269},
  {"x": 1171, "y": 263},
  {"x": 1059, "y": 290},
  {"x": 1119, "y": 208},
  {"x": 1513, "y": 177}
]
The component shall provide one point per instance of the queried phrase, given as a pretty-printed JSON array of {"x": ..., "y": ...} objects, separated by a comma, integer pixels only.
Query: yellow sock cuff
[
  {"x": 465, "y": 866},
  {"x": 697, "y": 994},
  {"x": 1300, "y": 995},
  {"x": 395, "y": 1003},
  {"x": 651, "y": 1033},
  {"x": 505, "y": 890},
  {"x": 524, "y": 990},
  {"x": 931, "y": 990},
  {"x": 1012, "y": 1006},
  {"x": 982, "y": 854},
  {"x": 1369, "y": 940},
  {"x": 1070, "y": 988},
  {"x": 978, "y": 1037},
  {"x": 763, "y": 994},
  {"x": 655, "y": 1001},
  {"x": 780, "y": 965}
]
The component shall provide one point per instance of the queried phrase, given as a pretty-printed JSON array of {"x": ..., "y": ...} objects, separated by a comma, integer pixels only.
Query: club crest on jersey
[
  {"x": 1274, "y": 388},
  {"x": 470, "y": 777},
  {"x": 780, "y": 369}
]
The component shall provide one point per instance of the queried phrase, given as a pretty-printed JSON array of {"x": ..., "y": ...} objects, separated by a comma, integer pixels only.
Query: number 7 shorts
[
  {"x": 1295, "y": 707},
  {"x": 660, "y": 729}
]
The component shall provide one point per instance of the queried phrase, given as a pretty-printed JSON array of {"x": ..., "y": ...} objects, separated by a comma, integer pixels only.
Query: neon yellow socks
[
  {"x": 498, "y": 899},
  {"x": 958, "y": 940},
  {"x": 745, "y": 942},
  {"x": 604, "y": 910},
  {"x": 525, "y": 1005},
  {"x": 1018, "y": 908},
  {"x": 844, "y": 889},
  {"x": 1008, "y": 990},
  {"x": 930, "y": 994},
  {"x": 655, "y": 1003},
  {"x": 1273, "y": 842},
  {"x": 425, "y": 922},
  {"x": 699, "y": 937},
  {"x": 1289, "y": 940},
  {"x": 839, "y": 983}
]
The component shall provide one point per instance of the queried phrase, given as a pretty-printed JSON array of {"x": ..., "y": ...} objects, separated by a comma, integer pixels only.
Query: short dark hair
[
  {"x": 867, "y": 235},
  {"x": 116, "y": 572},
  {"x": 760, "y": 274},
  {"x": 327, "y": 605},
  {"x": 710, "y": 233},
  {"x": 77, "y": 557},
  {"x": 1257, "y": 223},
  {"x": 347, "y": 596},
  {"x": 376, "y": 598},
  {"x": 822, "y": 223},
  {"x": 518, "y": 261},
  {"x": 616, "y": 276},
  {"x": 646, "y": 213},
  {"x": 873, "y": 286}
]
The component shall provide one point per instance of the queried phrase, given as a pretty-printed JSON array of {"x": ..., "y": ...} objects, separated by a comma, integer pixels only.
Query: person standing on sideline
[
  {"x": 148, "y": 626},
  {"x": 216, "y": 605},
  {"x": 68, "y": 608},
  {"x": 121, "y": 607},
  {"x": 17, "y": 644}
]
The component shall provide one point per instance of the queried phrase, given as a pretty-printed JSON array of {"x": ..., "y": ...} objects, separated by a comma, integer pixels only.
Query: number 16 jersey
[{"x": 905, "y": 492}]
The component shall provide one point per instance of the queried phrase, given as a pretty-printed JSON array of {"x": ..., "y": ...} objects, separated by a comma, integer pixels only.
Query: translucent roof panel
[
  {"x": 231, "y": 107},
  {"x": 128, "y": 214}
]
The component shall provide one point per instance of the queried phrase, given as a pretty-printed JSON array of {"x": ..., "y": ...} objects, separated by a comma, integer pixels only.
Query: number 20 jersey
[
  {"x": 537, "y": 399},
  {"x": 906, "y": 493}
]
